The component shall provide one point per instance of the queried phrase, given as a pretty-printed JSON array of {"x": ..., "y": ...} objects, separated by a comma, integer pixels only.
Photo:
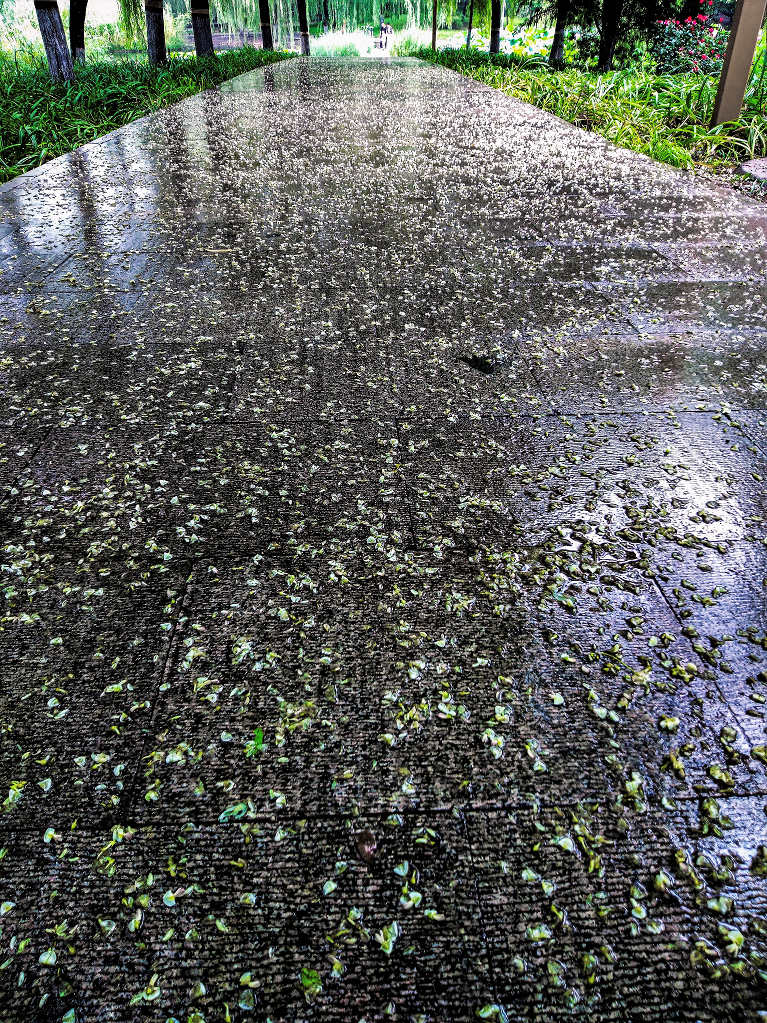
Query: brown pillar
[
  {"x": 434, "y": 25},
  {"x": 738, "y": 59}
]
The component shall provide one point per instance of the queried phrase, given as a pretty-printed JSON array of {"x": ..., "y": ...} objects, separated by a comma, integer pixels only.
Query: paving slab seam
[
  {"x": 460, "y": 812},
  {"x": 675, "y": 613},
  {"x": 173, "y": 642}
]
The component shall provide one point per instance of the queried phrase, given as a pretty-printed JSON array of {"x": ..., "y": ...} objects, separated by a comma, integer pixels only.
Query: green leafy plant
[
  {"x": 695, "y": 44},
  {"x": 311, "y": 982},
  {"x": 256, "y": 744}
]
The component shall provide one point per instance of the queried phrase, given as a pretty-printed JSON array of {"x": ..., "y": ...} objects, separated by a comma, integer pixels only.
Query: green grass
[
  {"x": 665, "y": 116},
  {"x": 40, "y": 119}
]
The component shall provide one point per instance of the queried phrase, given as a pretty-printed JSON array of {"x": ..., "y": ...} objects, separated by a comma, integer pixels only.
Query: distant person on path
[{"x": 386, "y": 31}]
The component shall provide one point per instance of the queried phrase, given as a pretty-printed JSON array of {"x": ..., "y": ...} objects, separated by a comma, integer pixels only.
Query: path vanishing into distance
[{"x": 382, "y": 558}]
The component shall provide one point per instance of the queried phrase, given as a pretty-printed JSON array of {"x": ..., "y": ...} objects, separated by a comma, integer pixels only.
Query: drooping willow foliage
[
  {"x": 132, "y": 17},
  {"x": 334, "y": 14}
]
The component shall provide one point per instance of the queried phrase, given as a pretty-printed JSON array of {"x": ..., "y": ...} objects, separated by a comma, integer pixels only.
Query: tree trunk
[
  {"x": 77, "y": 10},
  {"x": 303, "y": 26},
  {"x": 434, "y": 25},
  {"x": 155, "y": 32},
  {"x": 495, "y": 26},
  {"x": 557, "y": 54},
  {"x": 267, "y": 42},
  {"x": 203, "y": 36},
  {"x": 611, "y": 16},
  {"x": 54, "y": 40},
  {"x": 471, "y": 22}
]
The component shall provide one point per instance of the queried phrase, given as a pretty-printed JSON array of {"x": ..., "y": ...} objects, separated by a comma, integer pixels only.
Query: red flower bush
[{"x": 694, "y": 45}]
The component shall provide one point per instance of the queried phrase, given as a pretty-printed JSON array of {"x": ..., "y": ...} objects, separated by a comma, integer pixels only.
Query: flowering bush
[{"x": 695, "y": 45}]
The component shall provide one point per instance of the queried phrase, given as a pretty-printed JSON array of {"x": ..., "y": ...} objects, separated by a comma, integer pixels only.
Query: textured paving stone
[
  {"x": 719, "y": 596},
  {"x": 655, "y": 373},
  {"x": 683, "y": 475},
  {"x": 656, "y": 894},
  {"x": 83, "y": 655},
  {"x": 754, "y": 426},
  {"x": 382, "y": 566},
  {"x": 203, "y": 491},
  {"x": 301, "y": 920},
  {"x": 758, "y": 168},
  {"x": 18, "y": 446},
  {"x": 705, "y": 305}
]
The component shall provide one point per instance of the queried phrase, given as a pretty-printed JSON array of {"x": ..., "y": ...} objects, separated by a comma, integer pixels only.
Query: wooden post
[
  {"x": 54, "y": 40},
  {"x": 267, "y": 42},
  {"x": 203, "y": 35},
  {"x": 303, "y": 27},
  {"x": 155, "y": 32},
  {"x": 471, "y": 22},
  {"x": 741, "y": 46},
  {"x": 434, "y": 25}
]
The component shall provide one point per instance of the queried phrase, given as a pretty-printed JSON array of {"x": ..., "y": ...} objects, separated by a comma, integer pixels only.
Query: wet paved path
[{"x": 383, "y": 565}]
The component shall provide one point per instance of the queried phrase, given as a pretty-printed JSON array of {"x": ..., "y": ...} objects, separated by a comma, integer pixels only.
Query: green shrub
[
  {"x": 41, "y": 119},
  {"x": 695, "y": 45},
  {"x": 408, "y": 46},
  {"x": 342, "y": 50}
]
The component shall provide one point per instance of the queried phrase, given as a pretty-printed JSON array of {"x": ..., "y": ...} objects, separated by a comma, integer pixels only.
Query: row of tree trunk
[
  {"x": 747, "y": 20},
  {"x": 61, "y": 58},
  {"x": 612, "y": 11}
]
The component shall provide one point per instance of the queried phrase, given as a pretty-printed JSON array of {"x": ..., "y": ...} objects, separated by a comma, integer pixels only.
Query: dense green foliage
[
  {"x": 40, "y": 119},
  {"x": 694, "y": 45},
  {"x": 664, "y": 116},
  {"x": 619, "y": 32}
]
